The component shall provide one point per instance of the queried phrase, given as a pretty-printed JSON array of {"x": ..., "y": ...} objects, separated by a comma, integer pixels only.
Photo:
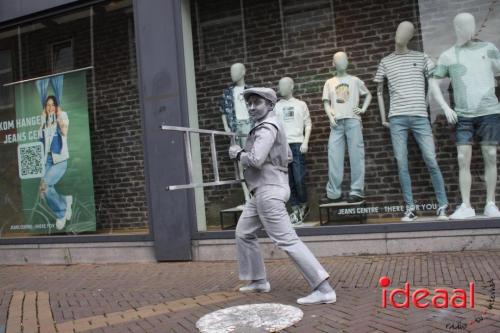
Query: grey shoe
[
  {"x": 317, "y": 297},
  {"x": 255, "y": 287},
  {"x": 441, "y": 213}
]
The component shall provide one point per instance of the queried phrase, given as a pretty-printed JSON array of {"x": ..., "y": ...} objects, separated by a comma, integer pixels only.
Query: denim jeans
[
  {"x": 297, "y": 176},
  {"x": 54, "y": 173},
  {"x": 422, "y": 132},
  {"x": 349, "y": 130}
]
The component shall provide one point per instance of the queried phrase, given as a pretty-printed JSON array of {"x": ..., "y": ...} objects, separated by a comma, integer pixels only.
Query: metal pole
[
  {"x": 214, "y": 157},
  {"x": 187, "y": 144},
  {"x": 46, "y": 76}
]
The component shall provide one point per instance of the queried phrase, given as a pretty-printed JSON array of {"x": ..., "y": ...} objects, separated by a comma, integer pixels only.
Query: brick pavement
[{"x": 171, "y": 297}]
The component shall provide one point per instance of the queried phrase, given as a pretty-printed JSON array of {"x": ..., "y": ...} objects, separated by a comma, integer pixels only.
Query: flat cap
[{"x": 266, "y": 93}]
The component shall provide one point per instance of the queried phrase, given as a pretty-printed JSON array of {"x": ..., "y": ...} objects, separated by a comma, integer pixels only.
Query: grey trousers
[{"x": 267, "y": 208}]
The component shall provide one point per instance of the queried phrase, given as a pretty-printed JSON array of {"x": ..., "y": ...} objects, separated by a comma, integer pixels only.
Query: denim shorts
[{"x": 485, "y": 129}]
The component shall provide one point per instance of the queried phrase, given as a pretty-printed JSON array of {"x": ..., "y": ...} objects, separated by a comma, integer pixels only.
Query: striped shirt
[{"x": 406, "y": 74}]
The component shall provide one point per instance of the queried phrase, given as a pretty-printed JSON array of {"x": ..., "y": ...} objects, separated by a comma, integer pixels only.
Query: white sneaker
[
  {"x": 410, "y": 215},
  {"x": 255, "y": 287},
  {"x": 60, "y": 223},
  {"x": 304, "y": 211},
  {"x": 491, "y": 210},
  {"x": 69, "y": 210},
  {"x": 295, "y": 216},
  {"x": 317, "y": 297},
  {"x": 441, "y": 213},
  {"x": 463, "y": 212}
]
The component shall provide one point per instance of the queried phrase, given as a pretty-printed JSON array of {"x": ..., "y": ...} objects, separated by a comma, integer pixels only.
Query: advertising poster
[{"x": 46, "y": 175}]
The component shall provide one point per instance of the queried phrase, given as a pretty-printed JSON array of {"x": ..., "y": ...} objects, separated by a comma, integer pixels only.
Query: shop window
[
  {"x": 287, "y": 38},
  {"x": 71, "y": 142}
]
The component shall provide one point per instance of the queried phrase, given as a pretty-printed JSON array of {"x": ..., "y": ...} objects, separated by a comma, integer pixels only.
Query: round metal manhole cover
[{"x": 251, "y": 318}]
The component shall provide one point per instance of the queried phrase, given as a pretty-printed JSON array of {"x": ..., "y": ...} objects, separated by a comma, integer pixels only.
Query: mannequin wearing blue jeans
[
  {"x": 406, "y": 72},
  {"x": 348, "y": 129},
  {"x": 422, "y": 132},
  {"x": 296, "y": 175},
  {"x": 341, "y": 99}
]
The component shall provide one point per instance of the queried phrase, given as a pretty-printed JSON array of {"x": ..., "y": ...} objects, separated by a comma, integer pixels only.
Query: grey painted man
[{"x": 265, "y": 160}]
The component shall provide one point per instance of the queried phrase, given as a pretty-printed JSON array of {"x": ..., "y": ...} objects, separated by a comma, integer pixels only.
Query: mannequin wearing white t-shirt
[
  {"x": 296, "y": 120},
  {"x": 235, "y": 116},
  {"x": 341, "y": 101},
  {"x": 406, "y": 72},
  {"x": 465, "y": 30}
]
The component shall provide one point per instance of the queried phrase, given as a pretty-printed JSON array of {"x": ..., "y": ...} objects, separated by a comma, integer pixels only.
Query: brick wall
[
  {"x": 302, "y": 47},
  {"x": 114, "y": 113}
]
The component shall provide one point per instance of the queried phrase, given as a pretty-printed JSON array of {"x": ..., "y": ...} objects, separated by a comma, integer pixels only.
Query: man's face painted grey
[{"x": 258, "y": 107}]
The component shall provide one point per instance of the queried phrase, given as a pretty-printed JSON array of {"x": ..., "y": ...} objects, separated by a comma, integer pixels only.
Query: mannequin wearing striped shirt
[{"x": 406, "y": 72}]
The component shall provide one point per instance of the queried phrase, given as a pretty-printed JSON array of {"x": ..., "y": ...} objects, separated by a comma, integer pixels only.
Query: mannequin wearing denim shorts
[{"x": 471, "y": 66}]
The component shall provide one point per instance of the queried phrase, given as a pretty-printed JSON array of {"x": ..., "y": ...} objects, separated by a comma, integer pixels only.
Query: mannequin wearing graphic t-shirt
[
  {"x": 471, "y": 67},
  {"x": 341, "y": 101},
  {"x": 235, "y": 113},
  {"x": 296, "y": 120},
  {"x": 406, "y": 72}
]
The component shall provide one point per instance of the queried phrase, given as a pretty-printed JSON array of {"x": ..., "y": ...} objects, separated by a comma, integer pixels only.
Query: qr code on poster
[{"x": 30, "y": 159}]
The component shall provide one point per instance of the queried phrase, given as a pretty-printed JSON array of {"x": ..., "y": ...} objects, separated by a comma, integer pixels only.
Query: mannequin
[
  {"x": 265, "y": 157},
  {"x": 471, "y": 66},
  {"x": 235, "y": 114},
  {"x": 341, "y": 101},
  {"x": 296, "y": 121},
  {"x": 406, "y": 72}
]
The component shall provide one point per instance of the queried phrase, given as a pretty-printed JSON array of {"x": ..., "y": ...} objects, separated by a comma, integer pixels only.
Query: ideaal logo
[{"x": 440, "y": 298}]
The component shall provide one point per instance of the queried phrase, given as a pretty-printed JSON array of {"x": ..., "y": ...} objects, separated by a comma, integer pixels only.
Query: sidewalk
[{"x": 171, "y": 297}]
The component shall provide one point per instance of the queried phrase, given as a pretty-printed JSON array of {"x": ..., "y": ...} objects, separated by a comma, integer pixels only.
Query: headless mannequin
[
  {"x": 297, "y": 124},
  {"x": 464, "y": 25},
  {"x": 408, "y": 114},
  {"x": 285, "y": 88},
  {"x": 341, "y": 96},
  {"x": 340, "y": 62},
  {"x": 238, "y": 72},
  {"x": 404, "y": 34}
]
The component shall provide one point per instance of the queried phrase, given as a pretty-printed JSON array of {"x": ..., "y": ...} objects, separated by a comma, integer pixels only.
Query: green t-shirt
[{"x": 471, "y": 69}]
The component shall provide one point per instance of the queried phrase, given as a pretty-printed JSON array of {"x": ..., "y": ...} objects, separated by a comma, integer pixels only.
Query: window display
[{"x": 403, "y": 175}]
